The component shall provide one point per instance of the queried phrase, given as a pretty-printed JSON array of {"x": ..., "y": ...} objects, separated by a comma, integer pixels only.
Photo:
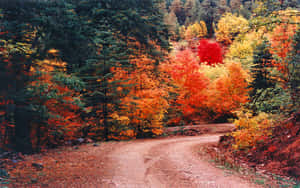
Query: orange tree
[
  {"x": 228, "y": 92},
  {"x": 184, "y": 70},
  {"x": 145, "y": 103},
  {"x": 56, "y": 100}
]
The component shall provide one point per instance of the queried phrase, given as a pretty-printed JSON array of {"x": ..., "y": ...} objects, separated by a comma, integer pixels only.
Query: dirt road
[
  {"x": 167, "y": 163},
  {"x": 171, "y": 162}
]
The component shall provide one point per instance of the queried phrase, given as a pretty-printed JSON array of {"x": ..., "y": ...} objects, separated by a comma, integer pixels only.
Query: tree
[
  {"x": 91, "y": 37},
  {"x": 146, "y": 103},
  {"x": 229, "y": 27},
  {"x": 185, "y": 73},
  {"x": 178, "y": 9},
  {"x": 294, "y": 72},
  {"x": 260, "y": 73},
  {"x": 209, "y": 52},
  {"x": 196, "y": 31},
  {"x": 242, "y": 48},
  {"x": 192, "y": 11},
  {"x": 101, "y": 92},
  {"x": 56, "y": 104},
  {"x": 235, "y": 5},
  {"x": 209, "y": 12},
  {"x": 281, "y": 39},
  {"x": 227, "y": 93},
  {"x": 171, "y": 21},
  {"x": 118, "y": 33},
  {"x": 17, "y": 54}
]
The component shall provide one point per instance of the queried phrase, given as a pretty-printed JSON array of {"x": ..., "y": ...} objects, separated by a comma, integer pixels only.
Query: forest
[{"x": 109, "y": 70}]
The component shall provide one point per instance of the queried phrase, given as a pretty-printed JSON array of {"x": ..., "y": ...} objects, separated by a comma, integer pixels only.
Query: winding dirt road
[
  {"x": 171, "y": 162},
  {"x": 166, "y": 163}
]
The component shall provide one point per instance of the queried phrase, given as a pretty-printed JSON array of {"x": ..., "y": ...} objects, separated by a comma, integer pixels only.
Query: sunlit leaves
[{"x": 60, "y": 104}]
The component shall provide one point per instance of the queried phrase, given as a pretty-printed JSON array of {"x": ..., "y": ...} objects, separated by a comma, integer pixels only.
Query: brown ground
[{"x": 157, "y": 163}]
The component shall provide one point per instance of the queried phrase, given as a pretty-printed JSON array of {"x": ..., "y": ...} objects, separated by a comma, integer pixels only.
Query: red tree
[
  {"x": 191, "y": 83},
  {"x": 210, "y": 52}
]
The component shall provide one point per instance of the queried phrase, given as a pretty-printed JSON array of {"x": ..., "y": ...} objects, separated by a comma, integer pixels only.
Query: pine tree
[
  {"x": 261, "y": 75},
  {"x": 17, "y": 56},
  {"x": 92, "y": 37},
  {"x": 192, "y": 10},
  {"x": 101, "y": 92},
  {"x": 119, "y": 29},
  {"x": 294, "y": 72},
  {"x": 210, "y": 13},
  {"x": 178, "y": 8},
  {"x": 39, "y": 28}
]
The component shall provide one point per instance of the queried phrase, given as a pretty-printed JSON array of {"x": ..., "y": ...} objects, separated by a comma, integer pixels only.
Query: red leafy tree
[
  {"x": 61, "y": 121},
  {"x": 210, "y": 52},
  {"x": 184, "y": 70},
  {"x": 281, "y": 45}
]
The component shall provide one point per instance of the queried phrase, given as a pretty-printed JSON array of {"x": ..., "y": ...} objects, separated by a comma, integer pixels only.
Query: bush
[{"x": 251, "y": 130}]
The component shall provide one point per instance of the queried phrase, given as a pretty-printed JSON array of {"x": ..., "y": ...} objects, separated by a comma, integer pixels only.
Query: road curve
[{"x": 165, "y": 163}]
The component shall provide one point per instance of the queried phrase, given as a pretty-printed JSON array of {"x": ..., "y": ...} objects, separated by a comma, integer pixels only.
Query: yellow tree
[
  {"x": 196, "y": 30},
  {"x": 230, "y": 26},
  {"x": 242, "y": 48}
]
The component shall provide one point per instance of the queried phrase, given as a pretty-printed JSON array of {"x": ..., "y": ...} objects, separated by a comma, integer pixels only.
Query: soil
[{"x": 154, "y": 163}]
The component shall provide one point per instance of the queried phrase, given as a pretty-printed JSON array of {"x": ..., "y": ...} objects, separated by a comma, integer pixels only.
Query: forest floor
[{"x": 172, "y": 161}]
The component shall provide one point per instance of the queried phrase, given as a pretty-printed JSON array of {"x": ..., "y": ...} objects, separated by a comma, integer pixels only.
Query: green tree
[
  {"x": 91, "y": 36},
  {"x": 210, "y": 13},
  {"x": 24, "y": 46},
  {"x": 178, "y": 8},
  {"x": 294, "y": 72},
  {"x": 192, "y": 11},
  {"x": 262, "y": 59}
]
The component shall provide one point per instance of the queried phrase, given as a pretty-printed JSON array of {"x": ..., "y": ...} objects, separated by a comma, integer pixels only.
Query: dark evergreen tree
[
  {"x": 192, "y": 10},
  {"x": 261, "y": 75},
  {"x": 177, "y": 7},
  {"x": 91, "y": 36},
  {"x": 265, "y": 94},
  {"x": 18, "y": 50},
  {"x": 119, "y": 28},
  {"x": 210, "y": 13},
  {"x": 30, "y": 29},
  {"x": 294, "y": 72}
]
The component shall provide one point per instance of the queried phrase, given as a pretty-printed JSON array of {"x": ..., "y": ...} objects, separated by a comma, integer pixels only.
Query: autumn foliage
[
  {"x": 195, "y": 31},
  {"x": 191, "y": 83},
  {"x": 229, "y": 27},
  {"x": 143, "y": 108},
  {"x": 61, "y": 102},
  {"x": 281, "y": 45},
  {"x": 119, "y": 78},
  {"x": 229, "y": 91},
  {"x": 210, "y": 52}
]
